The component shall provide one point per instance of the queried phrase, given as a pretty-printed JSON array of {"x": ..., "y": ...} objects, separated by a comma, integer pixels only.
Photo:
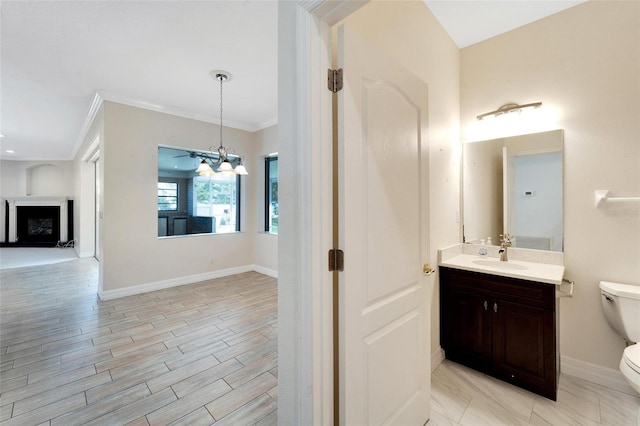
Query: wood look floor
[{"x": 194, "y": 355}]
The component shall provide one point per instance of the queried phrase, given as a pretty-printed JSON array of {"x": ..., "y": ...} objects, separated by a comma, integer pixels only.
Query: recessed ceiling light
[{"x": 10, "y": 151}]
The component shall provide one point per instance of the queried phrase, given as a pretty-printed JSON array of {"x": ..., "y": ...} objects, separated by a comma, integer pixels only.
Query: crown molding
[
  {"x": 102, "y": 95},
  {"x": 96, "y": 104},
  {"x": 36, "y": 159},
  {"x": 331, "y": 11},
  {"x": 172, "y": 110},
  {"x": 267, "y": 123}
]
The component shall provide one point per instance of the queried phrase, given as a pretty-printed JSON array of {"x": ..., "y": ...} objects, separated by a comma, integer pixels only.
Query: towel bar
[
  {"x": 570, "y": 292},
  {"x": 602, "y": 195}
]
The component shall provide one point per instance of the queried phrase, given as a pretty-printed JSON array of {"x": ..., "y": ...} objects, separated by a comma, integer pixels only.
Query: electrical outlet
[{"x": 211, "y": 259}]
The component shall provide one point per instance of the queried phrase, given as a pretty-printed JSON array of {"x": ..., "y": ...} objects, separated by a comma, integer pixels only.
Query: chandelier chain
[{"x": 221, "y": 80}]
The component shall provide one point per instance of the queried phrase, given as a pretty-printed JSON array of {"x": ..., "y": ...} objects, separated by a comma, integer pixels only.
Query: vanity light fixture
[
  {"x": 223, "y": 164},
  {"x": 508, "y": 108}
]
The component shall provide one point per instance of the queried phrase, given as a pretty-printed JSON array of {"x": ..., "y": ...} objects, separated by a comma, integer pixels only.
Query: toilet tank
[{"x": 621, "y": 306}]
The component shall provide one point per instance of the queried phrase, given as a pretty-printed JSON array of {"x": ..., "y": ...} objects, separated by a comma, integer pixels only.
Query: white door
[{"x": 383, "y": 230}]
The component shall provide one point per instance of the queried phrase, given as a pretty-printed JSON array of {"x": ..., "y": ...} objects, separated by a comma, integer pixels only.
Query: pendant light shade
[
  {"x": 225, "y": 166},
  {"x": 240, "y": 170},
  {"x": 204, "y": 168}
]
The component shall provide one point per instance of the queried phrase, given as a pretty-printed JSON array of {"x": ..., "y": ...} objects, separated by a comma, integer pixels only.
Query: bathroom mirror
[{"x": 514, "y": 185}]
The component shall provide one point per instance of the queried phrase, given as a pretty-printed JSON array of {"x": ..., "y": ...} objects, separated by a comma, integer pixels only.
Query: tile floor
[
  {"x": 202, "y": 354},
  {"x": 462, "y": 396}
]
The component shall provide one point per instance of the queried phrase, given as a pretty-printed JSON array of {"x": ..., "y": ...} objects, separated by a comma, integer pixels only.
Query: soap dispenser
[
  {"x": 483, "y": 248},
  {"x": 489, "y": 243}
]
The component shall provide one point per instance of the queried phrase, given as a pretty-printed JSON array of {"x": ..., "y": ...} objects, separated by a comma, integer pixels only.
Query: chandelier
[{"x": 222, "y": 163}]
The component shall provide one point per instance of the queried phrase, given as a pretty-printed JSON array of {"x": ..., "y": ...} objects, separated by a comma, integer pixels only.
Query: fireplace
[
  {"x": 37, "y": 224},
  {"x": 38, "y": 220}
]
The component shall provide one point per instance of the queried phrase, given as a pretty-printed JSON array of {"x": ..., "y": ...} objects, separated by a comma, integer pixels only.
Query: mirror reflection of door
[
  {"x": 515, "y": 185},
  {"x": 535, "y": 201}
]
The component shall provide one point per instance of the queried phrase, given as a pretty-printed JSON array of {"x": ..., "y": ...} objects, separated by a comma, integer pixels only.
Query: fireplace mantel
[{"x": 37, "y": 200}]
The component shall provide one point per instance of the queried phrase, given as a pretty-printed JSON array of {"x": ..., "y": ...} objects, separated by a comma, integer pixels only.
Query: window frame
[
  {"x": 177, "y": 191},
  {"x": 268, "y": 192},
  {"x": 238, "y": 203}
]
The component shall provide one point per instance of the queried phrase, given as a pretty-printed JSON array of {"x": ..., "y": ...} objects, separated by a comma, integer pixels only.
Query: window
[
  {"x": 218, "y": 197},
  {"x": 271, "y": 194},
  {"x": 167, "y": 196}
]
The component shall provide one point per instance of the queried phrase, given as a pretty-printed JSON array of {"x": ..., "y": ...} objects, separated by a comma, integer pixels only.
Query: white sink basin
[
  {"x": 497, "y": 264},
  {"x": 527, "y": 264}
]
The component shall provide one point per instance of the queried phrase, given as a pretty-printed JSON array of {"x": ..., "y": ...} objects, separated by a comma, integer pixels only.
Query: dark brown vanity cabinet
[{"x": 502, "y": 326}]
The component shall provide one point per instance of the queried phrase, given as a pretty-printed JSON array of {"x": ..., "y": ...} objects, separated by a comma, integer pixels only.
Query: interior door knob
[{"x": 427, "y": 269}]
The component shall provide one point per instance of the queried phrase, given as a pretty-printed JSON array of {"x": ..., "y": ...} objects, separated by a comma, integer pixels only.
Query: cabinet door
[
  {"x": 466, "y": 329},
  {"x": 524, "y": 346}
]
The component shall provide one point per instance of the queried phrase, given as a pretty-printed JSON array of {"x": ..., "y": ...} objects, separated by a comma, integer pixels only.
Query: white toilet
[{"x": 621, "y": 306}]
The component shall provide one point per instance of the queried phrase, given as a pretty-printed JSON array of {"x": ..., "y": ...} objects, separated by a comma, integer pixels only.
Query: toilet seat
[
  {"x": 630, "y": 368},
  {"x": 631, "y": 357}
]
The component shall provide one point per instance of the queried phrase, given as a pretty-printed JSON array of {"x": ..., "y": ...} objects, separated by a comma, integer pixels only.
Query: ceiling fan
[{"x": 191, "y": 154}]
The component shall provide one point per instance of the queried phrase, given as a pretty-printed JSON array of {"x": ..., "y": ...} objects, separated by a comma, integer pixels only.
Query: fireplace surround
[
  {"x": 37, "y": 224},
  {"x": 39, "y": 220}
]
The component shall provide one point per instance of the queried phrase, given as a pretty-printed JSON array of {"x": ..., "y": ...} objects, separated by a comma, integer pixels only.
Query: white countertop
[{"x": 550, "y": 272}]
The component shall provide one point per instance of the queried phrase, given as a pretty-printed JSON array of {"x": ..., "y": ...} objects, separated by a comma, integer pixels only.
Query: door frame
[
  {"x": 305, "y": 342},
  {"x": 97, "y": 241}
]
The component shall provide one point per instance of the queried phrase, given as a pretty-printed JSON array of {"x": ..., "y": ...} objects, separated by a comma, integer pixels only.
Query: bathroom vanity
[{"x": 501, "y": 317}]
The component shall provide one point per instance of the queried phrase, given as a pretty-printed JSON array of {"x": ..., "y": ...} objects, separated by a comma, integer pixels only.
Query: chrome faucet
[{"x": 505, "y": 241}]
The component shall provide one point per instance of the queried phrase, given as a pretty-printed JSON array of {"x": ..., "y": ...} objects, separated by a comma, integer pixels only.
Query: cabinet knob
[
  {"x": 486, "y": 305},
  {"x": 495, "y": 307}
]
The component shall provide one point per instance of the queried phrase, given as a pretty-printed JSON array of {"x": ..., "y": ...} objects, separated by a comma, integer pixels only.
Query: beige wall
[
  {"x": 584, "y": 65},
  {"x": 265, "y": 250},
  {"x": 132, "y": 252},
  {"x": 407, "y": 32}
]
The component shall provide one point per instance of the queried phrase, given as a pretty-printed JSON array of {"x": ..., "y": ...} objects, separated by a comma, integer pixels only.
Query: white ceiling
[
  {"x": 469, "y": 22},
  {"x": 56, "y": 55}
]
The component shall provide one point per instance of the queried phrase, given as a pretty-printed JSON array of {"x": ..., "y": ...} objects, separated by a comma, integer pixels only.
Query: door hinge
[
  {"x": 334, "y": 80},
  {"x": 336, "y": 260}
]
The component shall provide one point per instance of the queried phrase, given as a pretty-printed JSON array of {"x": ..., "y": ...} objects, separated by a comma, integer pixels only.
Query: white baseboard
[
  {"x": 436, "y": 358},
  {"x": 265, "y": 271},
  {"x": 173, "y": 282},
  {"x": 608, "y": 377}
]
